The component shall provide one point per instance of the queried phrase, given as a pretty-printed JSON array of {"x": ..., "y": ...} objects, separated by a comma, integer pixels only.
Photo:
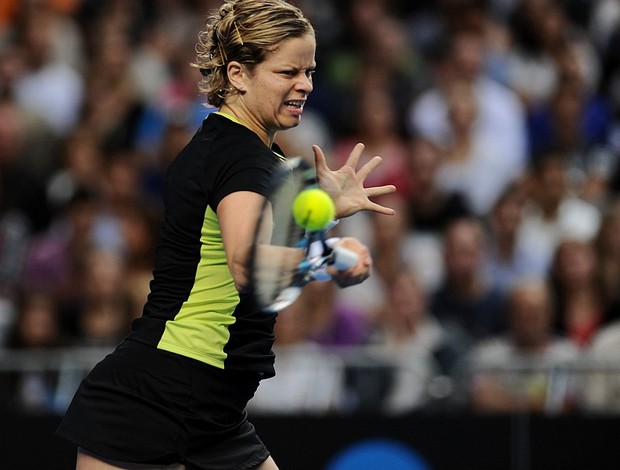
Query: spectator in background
[
  {"x": 516, "y": 371},
  {"x": 37, "y": 324},
  {"x": 575, "y": 118},
  {"x": 393, "y": 245},
  {"x": 507, "y": 259},
  {"x": 374, "y": 52},
  {"x": 112, "y": 107},
  {"x": 430, "y": 208},
  {"x": 543, "y": 32},
  {"x": 410, "y": 340},
  {"x": 166, "y": 86},
  {"x": 553, "y": 211},
  {"x": 531, "y": 66},
  {"x": 468, "y": 304},
  {"x": 104, "y": 323},
  {"x": 14, "y": 238},
  {"x": 500, "y": 115},
  {"x": 159, "y": 57},
  {"x": 67, "y": 42},
  {"x": 601, "y": 390},
  {"x": 327, "y": 16},
  {"x": 100, "y": 311},
  {"x": 21, "y": 181},
  {"x": 174, "y": 135},
  {"x": 391, "y": 62},
  {"x": 20, "y": 211},
  {"x": 54, "y": 257},
  {"x": 421, "y": 249},
  {"x": 474, "y": 164},
  {"x": 37, "y": 329},
  {"x": 47, "y": 87},
  {"x": 331, "y": 322},
  {"x": 122, "y": 180},
  {"x": 604, "y": 20},
  {"x": 607, "y": 247},
  {"x": 605, "y": 31},
  {"x": 376, "y": 123},
  {"x": 578, "y": 121},
  {"x": 81, "y": 167},
  {"x": 428, "y": 20},
  {"x": 137, "y": 223},
  {"x": 581, "y": 309},
  {"x": 25, "y": 134},
  {"x": 470, "y": 15},
  {"x": 310, "y": 378}
]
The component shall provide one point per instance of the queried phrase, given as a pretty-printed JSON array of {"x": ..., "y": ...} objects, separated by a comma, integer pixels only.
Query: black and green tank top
[{"x": 193, "y": 307}]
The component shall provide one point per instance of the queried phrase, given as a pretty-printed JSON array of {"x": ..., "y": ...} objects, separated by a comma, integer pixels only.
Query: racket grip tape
[{"x": 344, "y": 258}]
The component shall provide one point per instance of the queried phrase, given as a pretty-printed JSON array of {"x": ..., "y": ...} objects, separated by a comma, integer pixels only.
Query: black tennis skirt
[{"x": 145, "y": 405}]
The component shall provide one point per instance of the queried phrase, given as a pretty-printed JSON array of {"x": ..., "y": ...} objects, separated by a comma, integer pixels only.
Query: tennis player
[{"x": 173, "y": 394}]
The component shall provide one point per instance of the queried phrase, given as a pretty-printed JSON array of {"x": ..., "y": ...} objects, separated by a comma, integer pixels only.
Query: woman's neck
[
  {"x": 460, "y": 148},
  {"x": 240, "y": 117}
]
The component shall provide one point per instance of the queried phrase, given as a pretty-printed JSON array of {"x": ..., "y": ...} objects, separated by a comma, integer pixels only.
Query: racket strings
[{"x": 281, "y": 245}]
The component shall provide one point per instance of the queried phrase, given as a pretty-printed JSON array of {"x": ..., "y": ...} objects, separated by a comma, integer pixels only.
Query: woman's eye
[{"x": 292, "y": 73}]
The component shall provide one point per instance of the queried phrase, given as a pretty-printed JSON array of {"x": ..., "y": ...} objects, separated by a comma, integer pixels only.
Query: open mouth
[{"x": 297, "y": 104}]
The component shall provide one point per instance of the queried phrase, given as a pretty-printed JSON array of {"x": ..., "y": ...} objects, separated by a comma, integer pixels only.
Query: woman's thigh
[
  {"x": 87, "y": 461},
  {"x": 268, "y": 464}
]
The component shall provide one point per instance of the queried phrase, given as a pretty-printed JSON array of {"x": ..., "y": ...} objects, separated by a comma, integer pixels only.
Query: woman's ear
[{"x": 236, "y": 75}]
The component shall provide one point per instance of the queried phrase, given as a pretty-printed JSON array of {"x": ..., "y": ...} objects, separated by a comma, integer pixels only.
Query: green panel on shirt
[{"x": 200, "y": 329}]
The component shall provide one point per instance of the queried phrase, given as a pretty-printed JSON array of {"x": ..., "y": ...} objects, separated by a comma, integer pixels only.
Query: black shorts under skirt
[{"x": 145, "y": 405}]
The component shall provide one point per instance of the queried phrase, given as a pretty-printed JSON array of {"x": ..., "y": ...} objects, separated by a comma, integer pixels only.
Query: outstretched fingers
[
  {"x": 319, "y": 158},
  {"x": 376, "y": 191},
  {"x": 369, "y": 167},
  {"x": 374, "y": 207},
  {"x": 355, "y": 155},
  {"x": 346, "y": 184}
]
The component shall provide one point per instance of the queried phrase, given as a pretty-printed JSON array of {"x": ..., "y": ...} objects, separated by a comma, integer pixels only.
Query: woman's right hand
[{"x": 358, "y": 272}]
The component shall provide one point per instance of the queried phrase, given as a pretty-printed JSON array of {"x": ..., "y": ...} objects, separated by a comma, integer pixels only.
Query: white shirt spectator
[
  {"x": 530, "y": 376},
  {"x": 501, "y": 118},
  {"x": 602, "y": 386},
  {"x": 576, "y": 218},
  {"x": 55, "y": 93}
]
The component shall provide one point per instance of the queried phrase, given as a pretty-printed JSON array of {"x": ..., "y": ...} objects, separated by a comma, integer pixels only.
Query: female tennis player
[{"x": 173, "y": 394}]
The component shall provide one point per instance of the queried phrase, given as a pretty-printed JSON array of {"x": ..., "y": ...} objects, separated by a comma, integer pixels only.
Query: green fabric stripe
[{"x": 200, "y": 329}]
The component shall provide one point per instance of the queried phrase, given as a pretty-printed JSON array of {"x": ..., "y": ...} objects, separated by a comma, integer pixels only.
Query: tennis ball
[{"x": 313, "y": 209}]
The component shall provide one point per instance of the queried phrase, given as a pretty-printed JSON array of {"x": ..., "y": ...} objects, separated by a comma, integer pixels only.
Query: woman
[
  {"x": 173, "y": 394},
  {"x": 580, "y": 301}
]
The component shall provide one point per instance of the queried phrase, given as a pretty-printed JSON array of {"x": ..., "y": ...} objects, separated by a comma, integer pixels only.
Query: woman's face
[
  {"x": 462, "y": 106},
  {"x": 275, "y": 92},
  {"x": 576, "y": 263}
]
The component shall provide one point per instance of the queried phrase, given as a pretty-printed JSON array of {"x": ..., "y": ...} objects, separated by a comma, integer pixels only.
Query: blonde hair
[{"x": 244, "y": 31}]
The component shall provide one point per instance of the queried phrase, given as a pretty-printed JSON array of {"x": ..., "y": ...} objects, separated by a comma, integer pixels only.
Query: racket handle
[{"x": 344, "y": 258}]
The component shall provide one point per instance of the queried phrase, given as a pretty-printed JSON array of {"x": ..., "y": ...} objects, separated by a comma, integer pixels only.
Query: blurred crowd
[{"x": 496, "y": 286}]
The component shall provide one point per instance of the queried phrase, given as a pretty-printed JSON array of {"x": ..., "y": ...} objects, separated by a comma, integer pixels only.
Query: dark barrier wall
[{"x": 459, "y": 442}]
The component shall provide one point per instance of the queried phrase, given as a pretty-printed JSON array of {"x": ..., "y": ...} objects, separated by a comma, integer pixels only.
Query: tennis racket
[{"x": 284, "y": 256}]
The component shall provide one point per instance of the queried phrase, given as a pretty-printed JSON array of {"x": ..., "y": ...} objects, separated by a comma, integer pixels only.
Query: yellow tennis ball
[{"x": 313, "y": 209}]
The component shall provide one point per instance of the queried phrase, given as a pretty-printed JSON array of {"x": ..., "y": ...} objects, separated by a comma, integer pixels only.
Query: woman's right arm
[{"x": 237, "y": 214}]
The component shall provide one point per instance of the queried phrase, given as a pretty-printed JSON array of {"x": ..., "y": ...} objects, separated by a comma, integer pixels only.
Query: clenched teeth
[{"x": 295, "y": 104}]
